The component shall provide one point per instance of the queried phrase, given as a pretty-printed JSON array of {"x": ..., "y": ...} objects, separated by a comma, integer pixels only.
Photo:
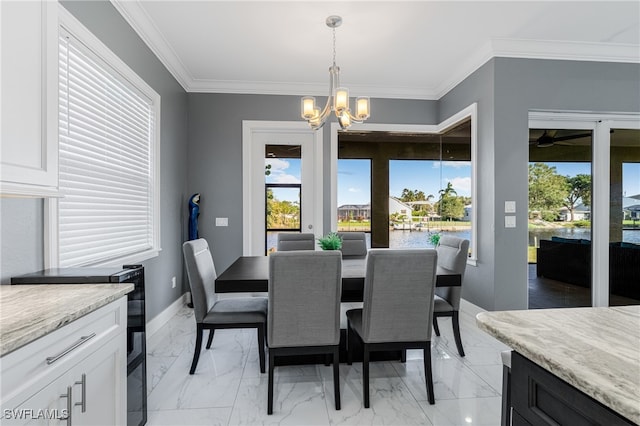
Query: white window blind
[{"x": 106, "y": 142}]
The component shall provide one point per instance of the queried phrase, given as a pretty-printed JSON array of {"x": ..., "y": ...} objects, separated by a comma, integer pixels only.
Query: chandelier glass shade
[{"x": 338, "y": 99}]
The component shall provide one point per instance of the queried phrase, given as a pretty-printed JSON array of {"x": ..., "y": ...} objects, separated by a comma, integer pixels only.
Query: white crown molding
[
  {"x": 143, "y": 25},
  {"x": 566, "y": 50},
  {"x": 540, "y": 49},
  {"x": 468, "y": 67},
  {"x": 305, "y": 89},
  {"x": 137, "y": 17}
]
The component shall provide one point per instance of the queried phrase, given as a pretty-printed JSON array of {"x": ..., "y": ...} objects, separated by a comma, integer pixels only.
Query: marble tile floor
[{"x": 228, "y": 389}]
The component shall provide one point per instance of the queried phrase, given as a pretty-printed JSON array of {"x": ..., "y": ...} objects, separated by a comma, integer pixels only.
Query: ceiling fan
[{"x": 549, "y": 138}]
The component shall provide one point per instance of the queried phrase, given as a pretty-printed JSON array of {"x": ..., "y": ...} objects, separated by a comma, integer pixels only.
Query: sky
[{"x": 354, "y": 185}]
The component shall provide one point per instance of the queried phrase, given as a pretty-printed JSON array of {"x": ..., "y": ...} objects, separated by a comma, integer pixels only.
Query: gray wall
[
  {"x": 520, "y": 85},
  {"x": 479, "y": 87},
  {"x": 22, "y": 220},
  {"x": 202, "y": 149},
  {"x": 215, "y": 154}
]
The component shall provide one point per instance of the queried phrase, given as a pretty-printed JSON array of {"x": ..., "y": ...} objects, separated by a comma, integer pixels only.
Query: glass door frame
[
  {"x": 600, "y": 124},
  {"x": 256, "y": 135}
]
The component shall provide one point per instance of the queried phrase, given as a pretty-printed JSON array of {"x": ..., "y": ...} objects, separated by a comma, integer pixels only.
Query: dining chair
[
  {"x": 212, "y": 313},
  {"x": 288, "y": 241},
  {"x": 452, "y": 259},
  {"x": 397, "y": 308},
  {"x": 354, "y": 244},
  {"x": 304, "y": 309}
]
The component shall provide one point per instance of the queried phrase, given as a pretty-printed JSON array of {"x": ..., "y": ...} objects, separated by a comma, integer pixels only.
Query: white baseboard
[
  {"x": 161, "y": 319},
  {"x": 470, "y": 308}
]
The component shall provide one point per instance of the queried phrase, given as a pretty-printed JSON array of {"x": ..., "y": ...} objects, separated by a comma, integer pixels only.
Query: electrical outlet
[{"x": 173, "y": 282}]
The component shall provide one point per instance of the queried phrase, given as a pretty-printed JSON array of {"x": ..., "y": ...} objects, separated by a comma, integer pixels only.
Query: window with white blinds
[{"x": 107, "y": 152}]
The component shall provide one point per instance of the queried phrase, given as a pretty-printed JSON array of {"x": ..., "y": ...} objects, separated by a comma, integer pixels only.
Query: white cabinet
[
  {"x": 29, "y": 92},
  {"x": 73, "y": 376}
]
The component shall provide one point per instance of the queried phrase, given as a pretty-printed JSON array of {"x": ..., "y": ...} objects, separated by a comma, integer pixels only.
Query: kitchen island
[{"x": 579, "y": 363}]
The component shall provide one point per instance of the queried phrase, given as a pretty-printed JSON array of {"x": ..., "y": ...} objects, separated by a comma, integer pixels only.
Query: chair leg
[
  {"x": 261, "y": 346},
  {"x": 435, "y": 325},
  {"x": 403, "y": 355},
  {"x": 456, "y": 333},
  {"x": 196, "y": 351},
  {"x": 336, "y": 376},
  {"x": 428, "y": 373},
  {"x": 270, "y": 385},
  {"x": 350, "y": 343},
  {"x": 505, "y": 419},
  {"x": 210, "y": 338},
  {"x": 365, "y": 375}
]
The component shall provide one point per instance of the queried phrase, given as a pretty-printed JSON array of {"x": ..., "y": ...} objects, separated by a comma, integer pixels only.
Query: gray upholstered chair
[
  {"x": 354, "y": 244},
  {"x": 288, "y": 241},
  {"x": 212, "y": 313},
  {"x": 304, "y": 308},
  {"x": 397, "y": 308},
  {"x": 452, "y": 259}
]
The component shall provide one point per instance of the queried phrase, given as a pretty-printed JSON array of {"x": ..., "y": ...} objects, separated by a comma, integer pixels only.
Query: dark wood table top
[{"x": 250, "y": 274}]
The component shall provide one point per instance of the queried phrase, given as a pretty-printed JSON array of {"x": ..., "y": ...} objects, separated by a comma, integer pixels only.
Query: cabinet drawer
[{"x": 40, "y": 362}]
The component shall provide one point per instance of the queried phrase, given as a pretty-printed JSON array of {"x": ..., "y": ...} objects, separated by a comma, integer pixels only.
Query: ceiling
[{"x": 392, "y": 49}]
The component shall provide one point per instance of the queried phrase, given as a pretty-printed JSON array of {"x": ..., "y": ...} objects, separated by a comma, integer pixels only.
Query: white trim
[
  {"x": 600, "y": 124},
  {"x": 141, "y": 22},
  {"x": 469, "y": 308},
  {"x": 249, "y": 208},
  {"x": 469, "y": 112},
  {"x": 565, "y": 50},
  {"x": 69, "y": 23},
  {"x": 157, "y": 322},
  {"x": 600, "y": 215}
]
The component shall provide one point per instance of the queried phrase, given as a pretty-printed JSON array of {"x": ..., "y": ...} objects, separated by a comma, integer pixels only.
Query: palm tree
[{"x": 448, "y": 191}]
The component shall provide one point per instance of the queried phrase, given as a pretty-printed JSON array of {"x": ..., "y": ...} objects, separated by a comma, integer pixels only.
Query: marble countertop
[
  {"x": 28, "y": 312},
  {"x": 597, "y": 350}
]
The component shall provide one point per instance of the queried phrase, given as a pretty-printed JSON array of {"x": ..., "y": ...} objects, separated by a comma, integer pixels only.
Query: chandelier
[{"x": 338, "y": 99}]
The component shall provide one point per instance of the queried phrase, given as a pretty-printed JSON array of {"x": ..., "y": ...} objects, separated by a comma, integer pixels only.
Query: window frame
[
  {"x": 69, "y": 24},
  {"x": 470, "y": 111}
]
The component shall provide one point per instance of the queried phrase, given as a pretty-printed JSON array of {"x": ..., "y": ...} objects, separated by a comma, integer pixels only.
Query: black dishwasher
[{"x": 136, "y": 323}]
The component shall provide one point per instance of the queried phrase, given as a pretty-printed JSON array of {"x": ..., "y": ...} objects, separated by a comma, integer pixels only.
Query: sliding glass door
[
  {"x": 624, "y": 217},
  {"x": 598, "y": 212}
]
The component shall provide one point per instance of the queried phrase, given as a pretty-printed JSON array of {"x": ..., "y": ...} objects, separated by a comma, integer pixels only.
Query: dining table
[{"x": 250, "y": 274}]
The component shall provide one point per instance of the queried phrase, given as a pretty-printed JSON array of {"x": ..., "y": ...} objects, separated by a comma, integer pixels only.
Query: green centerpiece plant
[
  {"x": 435, "y": 238},
  {"x": 331, "y": 241}
]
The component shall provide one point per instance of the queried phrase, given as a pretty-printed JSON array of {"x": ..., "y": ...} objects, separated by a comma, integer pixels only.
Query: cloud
[
  {"x": 278, "y": 171},
  {"x": 456, "y": 164},
  {"x": 280, "y": 177},
  {"x": 277, "y": 164},
  {"x": 462, "y": 185},
  {"x": 452, "y": 164},
  {"x": 354, "y": 190}
]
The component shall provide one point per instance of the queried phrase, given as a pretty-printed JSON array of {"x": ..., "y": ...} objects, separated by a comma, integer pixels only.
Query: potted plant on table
[{"x": 331, "y": 241}]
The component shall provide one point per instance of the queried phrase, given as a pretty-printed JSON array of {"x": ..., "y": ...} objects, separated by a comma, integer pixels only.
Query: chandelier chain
[{"x": 334, "y": 46}]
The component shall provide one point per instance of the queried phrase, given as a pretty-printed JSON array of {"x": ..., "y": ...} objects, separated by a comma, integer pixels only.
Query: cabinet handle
[
  {"x": 83, "y": 339},
  {"x": 83, "y": 395},
  {"x": 69, "y": 405}
]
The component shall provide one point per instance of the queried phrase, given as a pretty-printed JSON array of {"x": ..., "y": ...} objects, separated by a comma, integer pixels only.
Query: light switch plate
[
  {"x": 509, "y": 221},
  {"x": 509, "y": 206},
  {"x": 222, "y": 221}
]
